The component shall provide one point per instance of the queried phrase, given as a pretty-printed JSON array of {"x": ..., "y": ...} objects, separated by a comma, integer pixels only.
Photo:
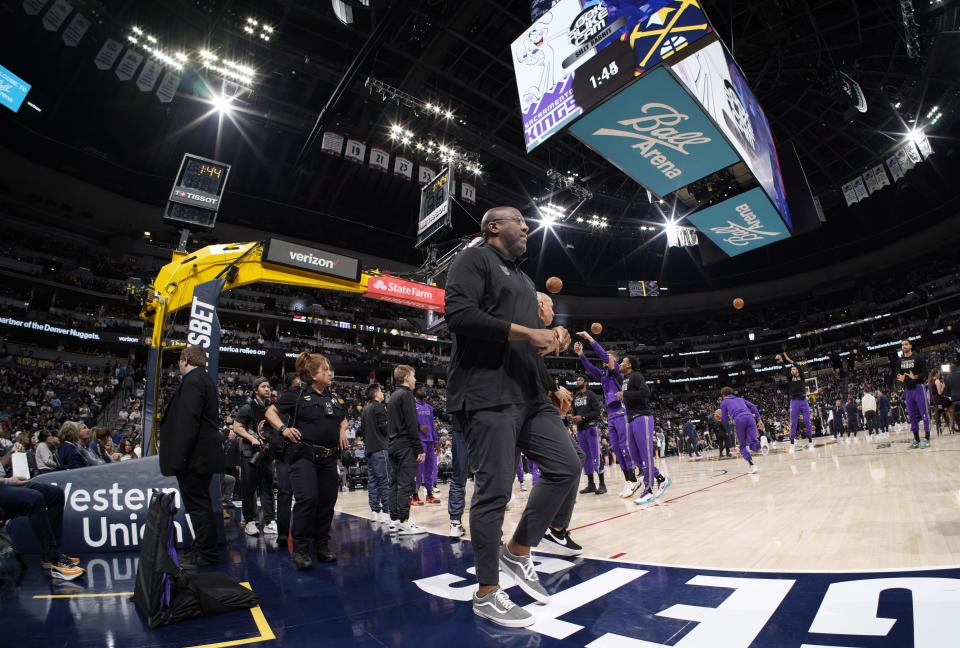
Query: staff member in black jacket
[
  {"x": 318, "y": 428},
  {"x": 256, "y": 471},
  {"x": 373, "y": 431},
  {"x": 284, "y": 487},
  {"x": 190, "y": 451},
  {"x": 406, "y": 451},
  {"x": 494, "y": 392}
]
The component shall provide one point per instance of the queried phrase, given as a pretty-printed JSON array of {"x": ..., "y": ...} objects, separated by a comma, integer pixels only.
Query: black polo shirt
[
  {"x": 318, "y": 416},
  {"x": 485, "y": 293}
]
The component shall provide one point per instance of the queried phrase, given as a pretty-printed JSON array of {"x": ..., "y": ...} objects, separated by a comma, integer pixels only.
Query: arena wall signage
[
  {"x": 656, "y": 133},
  {"x": 742, "y": 223},
  {"x": 106, "y": 507},
  {"x": 406, "y": 293},
  {"x": 92, "y": 336},
  {"x": 13, "y": 89},
  {"x": 302, "y": 257},
  {"x": 578, "y": 53}
]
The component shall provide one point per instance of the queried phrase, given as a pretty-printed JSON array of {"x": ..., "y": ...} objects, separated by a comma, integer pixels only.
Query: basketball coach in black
[
  {"x": 495, "y": 394},
  {"x": 190, "y": 450}
]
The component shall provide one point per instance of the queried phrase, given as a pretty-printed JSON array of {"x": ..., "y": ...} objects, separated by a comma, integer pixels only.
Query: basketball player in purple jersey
[
  {"x": 610, "y": 380},
  {"x": 797, "y": 389},
  {"x": 912, "y": 372},
  {"x": 426, "y": 471},
  {"x": 745, "y": 417},
  {"x": 586, "y": 416},
  {"x": 634, "y": 395}
]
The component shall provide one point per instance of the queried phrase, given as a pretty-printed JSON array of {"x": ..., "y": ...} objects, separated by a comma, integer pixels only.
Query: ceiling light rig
[
  {"x": 232, "y": 71},
  {"x": 419, "y": 107},
  {"x": 258, "y": 29},
  {"x": 148, "y": 42},
  {"x": 433, "y": 148}
]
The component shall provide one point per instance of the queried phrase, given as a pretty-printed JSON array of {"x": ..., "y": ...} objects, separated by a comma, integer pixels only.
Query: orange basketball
[
  {"x": 738, "y": 303},
  {"x": 554, "y": 284},
  {"x": 596, "y": 328}
]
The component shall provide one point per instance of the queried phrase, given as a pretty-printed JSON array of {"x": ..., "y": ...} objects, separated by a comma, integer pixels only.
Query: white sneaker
[
  {"x": 250, "y": 528},
  {"x": 523, "y": 487},
  {"x": 409, "y": 528},
  {"x": 753, "y": 470},
  {"x": 629, "y": 488},
  {"x": 271, "y": 528},
  {"x": 646, "y": 497},
  {"x": 456, "y": 529},
  {"x": 393, "y": 525},
  {"x": 764, "y": 445},
  {"x": 385, "y": 517}
]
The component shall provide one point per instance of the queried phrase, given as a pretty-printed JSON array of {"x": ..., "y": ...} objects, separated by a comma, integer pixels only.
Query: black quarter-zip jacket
[{"x": 485, "y": 293}]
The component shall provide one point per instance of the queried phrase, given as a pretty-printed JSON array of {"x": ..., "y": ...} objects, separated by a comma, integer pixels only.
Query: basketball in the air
[
  {"x": 554, "y": 284},
  {"x": 738, "y": 303},
  {"x": 596, "y": 328}
]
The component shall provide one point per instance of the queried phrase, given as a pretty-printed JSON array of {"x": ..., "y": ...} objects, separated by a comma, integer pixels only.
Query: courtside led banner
[
  {"x": 579, "y": 52},
  {"x": 406, "y": 293},
  {"x": 657, "y": 134},
  {"x": 742, "y": 223},
  {"x": 302, "y": 257}
]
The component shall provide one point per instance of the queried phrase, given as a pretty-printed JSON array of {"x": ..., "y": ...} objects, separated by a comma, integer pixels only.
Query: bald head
[
  {"x": 505, "y": 228},
  {"x": 545, "y": 307}
]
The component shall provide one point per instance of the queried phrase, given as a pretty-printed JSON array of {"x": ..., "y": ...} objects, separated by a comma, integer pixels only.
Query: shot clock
[
  {"x": 436, "y": 200},
  {"x": 610, "y": 70},
  {"x": 195, "y": 197}
]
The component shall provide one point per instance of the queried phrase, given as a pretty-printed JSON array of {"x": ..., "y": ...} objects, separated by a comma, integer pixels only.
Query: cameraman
[{"x": 256, "y": 471}]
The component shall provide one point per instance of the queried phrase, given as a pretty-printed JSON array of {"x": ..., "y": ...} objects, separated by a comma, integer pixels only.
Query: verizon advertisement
[
  {"x": 306, "y": 258},
  {"x": 406, "y": 293}
]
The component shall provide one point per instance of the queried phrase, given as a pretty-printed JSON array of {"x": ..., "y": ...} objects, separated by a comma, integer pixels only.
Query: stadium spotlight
[
  {"x": 751, "y": 336},
  {"x": 915, "y": 135},
  {"x": 670, "y": 227},
  {"x": 222, "y": 103}
]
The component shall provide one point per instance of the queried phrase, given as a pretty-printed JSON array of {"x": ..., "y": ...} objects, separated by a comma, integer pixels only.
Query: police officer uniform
[{"x": 312, "y": 465}]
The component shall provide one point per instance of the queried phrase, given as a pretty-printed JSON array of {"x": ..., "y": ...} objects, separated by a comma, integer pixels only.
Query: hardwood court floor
[{"x": 864, "y": 504}]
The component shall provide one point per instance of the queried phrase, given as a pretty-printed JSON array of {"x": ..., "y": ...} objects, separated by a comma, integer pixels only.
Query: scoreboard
[
  {"x": 197, "y": 191},
  {"x": 436, "y": 206},
  {"x": 638, "y": 288}
]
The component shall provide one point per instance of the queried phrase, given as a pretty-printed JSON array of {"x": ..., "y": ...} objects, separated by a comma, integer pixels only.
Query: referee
[
  {"x": 494, "y": 393},
  {"x": 318, "y": 428}
]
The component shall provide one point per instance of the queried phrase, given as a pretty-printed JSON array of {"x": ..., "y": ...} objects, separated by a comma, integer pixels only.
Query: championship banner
[
  {"x": 204, "y": 326},
  {"x": 405, "y": 293},
  {"x": 894, "y": 165},
  {"x": 880, "y": 177},
  {"x": 105, "y": 507},
  {"x": 332, "y": 143},
  {"x": 468, "y": 192},
  {"x": 76, "y": 30},
  {"x": 869, "y": 182},
  {"x": 148, "y": 76},
  {"x": 850, "y": 194},
  {"x": 108, "y": 54},
  {"x": 923, "y": 143},
  {"x": 425, "y": 174},
  {"x": 168, "y": 87},
  {"x": 380, "y": 159},
  {"x": 403, "y": 167},
  {"x": 33, "y": 7},
  {"x": 128, "y": 65},
  {"x": 356, "y": 150},
  {"x": 860, "y": 188},
  {"x": 53, "y": 19}
]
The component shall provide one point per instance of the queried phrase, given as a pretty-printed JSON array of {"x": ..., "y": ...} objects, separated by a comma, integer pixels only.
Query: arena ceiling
[{"x": 312, "y": 75}]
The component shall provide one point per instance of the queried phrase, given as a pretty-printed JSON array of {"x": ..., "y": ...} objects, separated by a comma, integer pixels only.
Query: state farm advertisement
[{"x": 406, "y": 293}]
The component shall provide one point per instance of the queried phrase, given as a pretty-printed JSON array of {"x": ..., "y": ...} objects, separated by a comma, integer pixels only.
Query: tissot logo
[{"x": 198, "y": 197}]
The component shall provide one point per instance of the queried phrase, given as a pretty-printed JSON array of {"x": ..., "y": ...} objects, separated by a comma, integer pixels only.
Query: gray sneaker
[
  {"x": 497, "y": 607},
  {"x": 521, "y": 568}
]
